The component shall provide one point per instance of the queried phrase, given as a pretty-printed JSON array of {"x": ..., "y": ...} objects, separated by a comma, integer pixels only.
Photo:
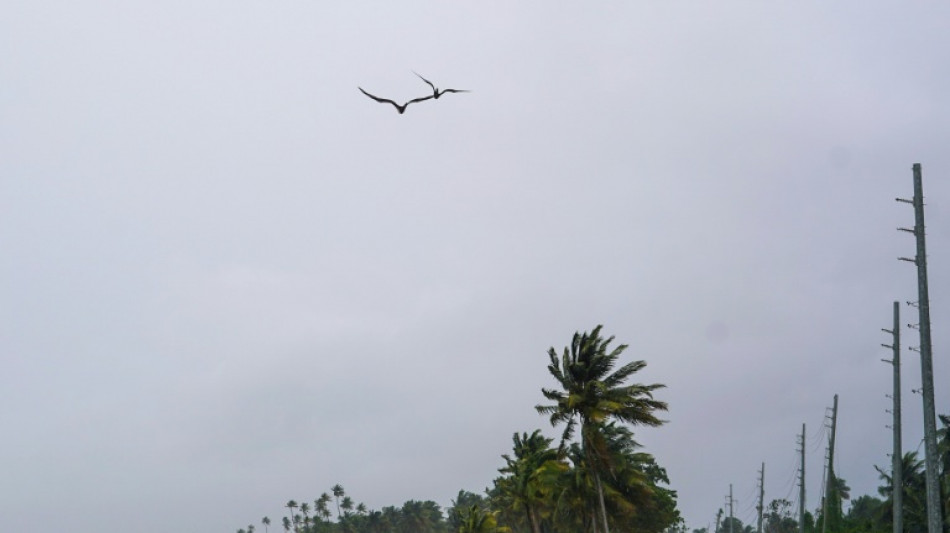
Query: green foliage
[
  {"x": 733, "y": 525},
  {"x": 777, "y": 517},
  {"x": 914, "y": 494},
  {"x": 526, "y": 493},
  {"x": 475, "y": 519},
  {"x": 866, "y": 516},
  {"x": 601, "y": 483},
  {"x": 592, "y": 395},
  {"x": 462, "y": 502}
]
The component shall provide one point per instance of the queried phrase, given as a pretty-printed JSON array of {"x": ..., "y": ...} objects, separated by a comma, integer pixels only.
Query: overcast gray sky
[{"x": 228, "y": 279}]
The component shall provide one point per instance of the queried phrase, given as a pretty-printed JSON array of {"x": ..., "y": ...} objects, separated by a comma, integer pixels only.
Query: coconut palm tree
[
  {"x": 305, "y": 511},
  {"x": 291, "y": 505},
  {"x": 478, "y": 520},
  {"x": 914, "y": 493},
  {"x": 531, "y": 477},
  {"x": 266, "y": 522},
  {"x": 322, "y": 508},
  {"x": 347, "y": 505},
  {"x": 338, "y": 493},
  {"x": 591, "y": 395}
]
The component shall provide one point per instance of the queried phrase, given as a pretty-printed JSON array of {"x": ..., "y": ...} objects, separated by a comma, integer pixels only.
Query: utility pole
[
  {"x": 732, "y": 521},
  {"x": 761, "y": 496},
  {"x": 897, "y": 474},
  {"x": 934, "y": 511},
  {"x": 801, "y": 486},
  {"x": 831, "y": 481}
]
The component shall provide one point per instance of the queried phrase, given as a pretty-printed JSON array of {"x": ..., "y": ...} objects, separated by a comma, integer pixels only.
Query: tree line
[
  {"x": 595, "y": 479},
  {"x": 866, "y": 513}
]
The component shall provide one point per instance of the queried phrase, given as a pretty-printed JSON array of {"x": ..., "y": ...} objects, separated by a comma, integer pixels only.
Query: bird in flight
[
  {"x": 436, "y": 93},
  {"x": 400, "y": 108}
]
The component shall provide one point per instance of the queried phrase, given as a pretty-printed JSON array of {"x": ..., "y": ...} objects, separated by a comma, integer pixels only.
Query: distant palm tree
[
  {"x": 291, "y": 505},
  {"x": 305, "y": 510},
  {"x": 591, "y": 395},
  {"x": 321, "y": 507},
  {"x": 266, "y": 522},
  {"x": 286, "y": 523},
  {"x": 338, "y": 493},
  {"x": 347, "y": 505}
]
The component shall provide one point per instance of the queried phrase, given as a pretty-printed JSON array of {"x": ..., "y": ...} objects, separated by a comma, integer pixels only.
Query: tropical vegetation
[{"x": 596, "y": 479}]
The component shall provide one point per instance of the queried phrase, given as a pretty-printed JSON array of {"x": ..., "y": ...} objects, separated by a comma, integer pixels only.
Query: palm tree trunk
[
  {"x": 600, "y": 497},
  {"x": 533, "y": 520}
]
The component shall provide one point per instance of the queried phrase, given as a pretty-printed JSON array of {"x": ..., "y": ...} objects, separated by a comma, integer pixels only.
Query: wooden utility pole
[
  {"x": 760, "y": 507},
  {"x": 934, "y": 511},
  {"x": 897, "y": 462},
  {"x": 831, "y": 482},
  {"x": 801, "y": 486}
]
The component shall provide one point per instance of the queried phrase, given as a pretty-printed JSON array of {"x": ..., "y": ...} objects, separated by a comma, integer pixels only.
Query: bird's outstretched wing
[
  {"x": 425, "y": 80},
  {"x": 423, "y": 99},
  {"x": 456, "y": 91},
  {"x": 378, "y": 99}
]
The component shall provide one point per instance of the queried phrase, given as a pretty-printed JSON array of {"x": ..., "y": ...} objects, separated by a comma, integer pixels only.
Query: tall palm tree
[
  {"x": 591, "y": 395},
  {"x": 338, "y": 493},
  {"x": 266, "y": 522},
  {"x": 286, "y": 523},
  {"x": 291, "y": 505}
]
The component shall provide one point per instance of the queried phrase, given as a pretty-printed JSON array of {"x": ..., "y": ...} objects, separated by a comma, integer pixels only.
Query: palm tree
[
  {"x": 532, "y": 477},
  {"x": 321, "y": 507},
  {"x": 305, "y": 510},
  {"x": 291, "y": 505},
  {"x": 286, "y": 523},
  {"x": 338, "y": 493},
  {"x": 591, "y": 395},
  {"x": 478, "y": 520},
  {"x": 914, "y": 493},
  {"x": 266, "y": 522}
]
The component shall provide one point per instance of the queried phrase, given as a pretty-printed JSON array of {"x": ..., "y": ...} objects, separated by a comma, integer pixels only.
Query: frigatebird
[
  {"x": 400, "y": 108},
  {"x": 436, "y": 92}
]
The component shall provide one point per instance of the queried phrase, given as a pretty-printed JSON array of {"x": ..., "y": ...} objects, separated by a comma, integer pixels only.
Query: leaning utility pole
[
  {"x": 934, "y": 511},
  {"x": 831, "y": 481},
  {"x": 897, "y": 474},
  {"x": 761, "y": 496},
  {"x": 801, "y": 486}
]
